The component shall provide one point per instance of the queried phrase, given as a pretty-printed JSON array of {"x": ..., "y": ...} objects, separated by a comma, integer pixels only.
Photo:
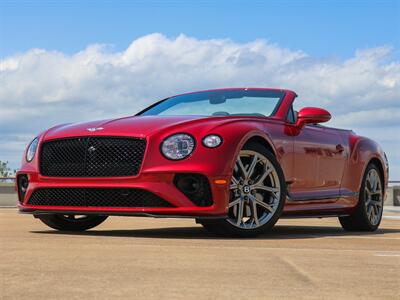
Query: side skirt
[
  {"x": 330, "y": 197},
  {"x": 312, "y": 216}
]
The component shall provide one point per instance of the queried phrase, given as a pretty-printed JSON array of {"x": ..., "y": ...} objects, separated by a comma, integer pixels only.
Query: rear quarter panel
[{"x": 362, "y": 151}]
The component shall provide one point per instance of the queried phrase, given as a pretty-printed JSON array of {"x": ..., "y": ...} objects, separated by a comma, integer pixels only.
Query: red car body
[{"x": 323, "y": 167}]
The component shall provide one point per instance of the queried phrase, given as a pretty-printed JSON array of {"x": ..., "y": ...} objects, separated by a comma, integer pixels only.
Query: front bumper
[
  {"x": 156, "y": 175},
  {"x": 160, "y": 184}
]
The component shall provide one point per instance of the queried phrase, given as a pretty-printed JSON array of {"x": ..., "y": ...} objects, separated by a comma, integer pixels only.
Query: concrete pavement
[{"x": 145, "y": 258}]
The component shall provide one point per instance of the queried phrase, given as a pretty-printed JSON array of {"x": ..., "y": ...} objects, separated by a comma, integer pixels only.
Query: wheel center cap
[{"x": 246, "y": 189}]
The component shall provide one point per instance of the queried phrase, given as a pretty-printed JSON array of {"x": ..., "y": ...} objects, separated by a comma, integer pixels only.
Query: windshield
[{"x": 244, "y": 102}]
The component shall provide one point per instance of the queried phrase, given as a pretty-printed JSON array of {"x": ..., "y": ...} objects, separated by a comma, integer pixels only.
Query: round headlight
[
  {"x": 212, "y": 141},
  {"x": 30, "y": 153},
  {"x": 177, "y": 146}
]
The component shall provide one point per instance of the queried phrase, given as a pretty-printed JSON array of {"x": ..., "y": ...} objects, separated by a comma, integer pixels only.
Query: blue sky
[
  {"x": 74, "y": 61},
  {"x": 320, "y": 28}
]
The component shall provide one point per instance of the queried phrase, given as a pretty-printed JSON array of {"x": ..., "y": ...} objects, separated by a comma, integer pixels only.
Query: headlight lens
[
  {"x": 30, "y": 153},
  {"x": 177, "y": 146},
  {"x": 212, "y": 141}
]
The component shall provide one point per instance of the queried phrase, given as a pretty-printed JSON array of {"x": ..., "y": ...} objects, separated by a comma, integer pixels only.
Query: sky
[{"x": 73, "y": 61}]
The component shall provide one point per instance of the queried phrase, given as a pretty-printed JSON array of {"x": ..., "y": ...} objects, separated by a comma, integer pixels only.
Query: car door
[{"x": 319, "y": 162}]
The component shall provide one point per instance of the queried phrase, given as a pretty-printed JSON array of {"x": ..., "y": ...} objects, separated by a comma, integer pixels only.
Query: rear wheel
[
  {"x": 71, "y": 222},
  {"x": 257, "y": 195},
  {"x": 368, "y": 214}
]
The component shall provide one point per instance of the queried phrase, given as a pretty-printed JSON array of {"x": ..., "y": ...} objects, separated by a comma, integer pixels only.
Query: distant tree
[{"x": 5, "y": 171}]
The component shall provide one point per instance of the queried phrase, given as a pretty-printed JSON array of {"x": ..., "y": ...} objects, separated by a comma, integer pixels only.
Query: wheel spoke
[
  {"x": 263, "y": 204},
  {"x": 367, "y": 190},
  {"x": 254, "y": 213},
  {"x": 369, "y": 212},
  {"x": 375, "y": 202},
  {"x": 368, "y": 182},
  {"x": 234, "y": 183},
  {"x": 241, "y": 168},
  {"x": 376, "y": 208},
  {"x": 234, "y": 202},
  {"x": 373, "y": 211},
  {"x": 240, "y": 213},
  {"x": 266, "y": 188},
  {"x": 371, "y": 181},
  {"x": 374, "y": 183},
  {"x": 377, "y": 192},
  {"x": 263, "y": 176},
  {"x": 252, "y": 167}
]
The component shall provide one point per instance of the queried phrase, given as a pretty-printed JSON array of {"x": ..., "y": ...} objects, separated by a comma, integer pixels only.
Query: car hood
[
  {"x": 144, "y": 126},
  {"x": 138, "y": 126}
]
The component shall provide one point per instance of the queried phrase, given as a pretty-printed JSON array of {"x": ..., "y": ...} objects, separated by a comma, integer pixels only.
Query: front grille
[
  {"x": 92, "y": 157},
  {"x": 96, "y": 197}
]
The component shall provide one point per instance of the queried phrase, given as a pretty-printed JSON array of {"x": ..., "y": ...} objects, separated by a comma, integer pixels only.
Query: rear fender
[{"x": 362, "y": 152}]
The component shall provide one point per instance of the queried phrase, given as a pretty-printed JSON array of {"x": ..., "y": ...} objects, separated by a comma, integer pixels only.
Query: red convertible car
[{"x": 236, "y": 160}]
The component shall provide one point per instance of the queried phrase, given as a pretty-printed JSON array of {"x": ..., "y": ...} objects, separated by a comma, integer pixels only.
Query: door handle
[{"x": 339, "y": 148}]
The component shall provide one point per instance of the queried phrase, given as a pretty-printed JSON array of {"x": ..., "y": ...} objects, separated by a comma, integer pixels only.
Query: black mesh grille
[
  {"x": 100, "y": 197},
  {"x": 92, "y": 157}
]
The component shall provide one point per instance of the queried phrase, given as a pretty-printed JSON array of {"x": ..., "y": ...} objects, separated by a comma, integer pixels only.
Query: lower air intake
[
  {"x": 96, "y": 197},
  {"x": 196, "y": 187}
]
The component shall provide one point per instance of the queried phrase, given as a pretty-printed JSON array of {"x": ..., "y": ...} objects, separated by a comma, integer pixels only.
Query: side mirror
[{"x": 312, "y": 115}]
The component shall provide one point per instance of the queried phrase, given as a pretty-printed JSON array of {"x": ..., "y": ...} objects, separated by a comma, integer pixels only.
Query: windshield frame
[{"x": 273, "y": 113}]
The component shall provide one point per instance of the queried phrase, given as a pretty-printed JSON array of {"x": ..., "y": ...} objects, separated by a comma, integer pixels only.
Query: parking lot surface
[{"x": 145, "y": 258}]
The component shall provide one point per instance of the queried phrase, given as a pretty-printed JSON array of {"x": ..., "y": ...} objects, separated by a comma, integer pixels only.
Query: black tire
[
  {"x": 222, "y": 227},
  {"x": 70, "y": 222},
  {"x": 359, "y": 220}
]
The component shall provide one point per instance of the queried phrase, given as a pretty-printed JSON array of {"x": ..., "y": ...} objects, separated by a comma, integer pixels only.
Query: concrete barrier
[
  {"x": 8, "y": 196},
  {"x": 389, "y": 196},
  {"x": 396, "y": 196}
]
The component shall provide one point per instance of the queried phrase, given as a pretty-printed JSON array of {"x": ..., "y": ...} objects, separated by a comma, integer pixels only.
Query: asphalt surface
[{"x": 145, "y": 258}]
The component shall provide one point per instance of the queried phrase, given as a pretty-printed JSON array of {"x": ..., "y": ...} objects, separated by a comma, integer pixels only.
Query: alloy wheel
[
  {"x": 373, "y": 196},
  {"x": 254, "y": 191}
]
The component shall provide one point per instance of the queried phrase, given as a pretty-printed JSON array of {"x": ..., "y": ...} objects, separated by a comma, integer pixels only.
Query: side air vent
[{"x": 196, "y": 187}]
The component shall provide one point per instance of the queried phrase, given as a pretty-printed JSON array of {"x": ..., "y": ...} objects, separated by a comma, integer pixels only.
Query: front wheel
[
  {"x": 71, "y": 222},
  {"x": 257, "y": 195}
]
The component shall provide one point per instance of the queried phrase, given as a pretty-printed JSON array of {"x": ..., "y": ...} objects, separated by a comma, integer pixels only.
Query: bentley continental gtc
[{"x": 235, "y": 160}]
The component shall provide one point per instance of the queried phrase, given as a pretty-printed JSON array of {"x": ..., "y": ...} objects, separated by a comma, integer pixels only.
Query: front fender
[{"x": 209, "y": 161}]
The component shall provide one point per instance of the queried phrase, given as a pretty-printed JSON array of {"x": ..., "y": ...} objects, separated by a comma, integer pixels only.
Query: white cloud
[
  {"x": 40, "y": 88},
  {"x": 381, "y": 117}
]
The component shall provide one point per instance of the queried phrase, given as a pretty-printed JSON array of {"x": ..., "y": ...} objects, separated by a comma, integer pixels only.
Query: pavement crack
[{"x": 296, "y": 270}]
